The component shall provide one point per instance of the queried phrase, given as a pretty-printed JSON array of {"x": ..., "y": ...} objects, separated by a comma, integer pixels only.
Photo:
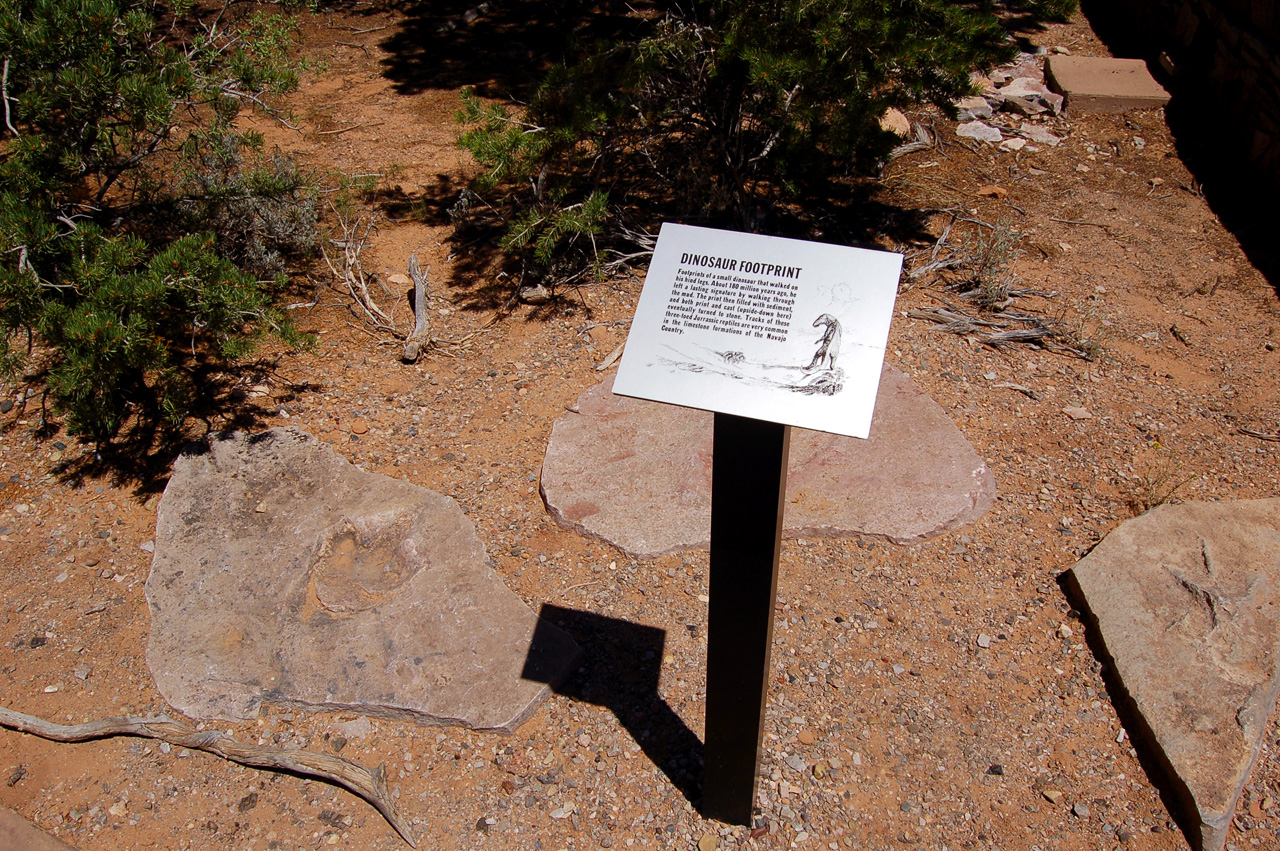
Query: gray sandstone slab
[
  {"x": 1187, "y": 603},
  {"x": 18, "y": 834},
  {"x": 285, "y": 575},
  {"x": 637, "y": 474}
]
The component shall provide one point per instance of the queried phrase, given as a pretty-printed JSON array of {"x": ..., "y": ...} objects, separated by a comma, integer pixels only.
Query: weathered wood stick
[
  {"x": 369, "y": 785},
  {"x": 421, "y": 328}
]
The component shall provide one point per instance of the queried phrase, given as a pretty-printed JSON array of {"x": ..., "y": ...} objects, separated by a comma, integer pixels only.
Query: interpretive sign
[
  {"x": 768, "y": 333},
  {"x": 773, "y": 329}
]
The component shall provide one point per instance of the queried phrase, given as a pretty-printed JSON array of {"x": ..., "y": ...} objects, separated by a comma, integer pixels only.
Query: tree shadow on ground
[
  {"x": 1233, "y": 188},
  {"x": 501, "y": 49},
  {"x": 620, "y": 670},
  {"x": 140, "y": 457}
]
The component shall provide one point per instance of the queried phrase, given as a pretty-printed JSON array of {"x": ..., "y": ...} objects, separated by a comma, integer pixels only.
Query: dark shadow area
[
  {"x": 500, "y": 47},
  {"x": 140, "y": 457},
  {"x": 620, "y": 668},
  {"x": 1173, "y": 792},
  {"x": 1202, "y": 120}
]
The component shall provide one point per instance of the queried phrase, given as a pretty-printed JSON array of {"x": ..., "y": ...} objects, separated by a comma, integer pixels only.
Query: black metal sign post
[{"x": 748, "y": 485}]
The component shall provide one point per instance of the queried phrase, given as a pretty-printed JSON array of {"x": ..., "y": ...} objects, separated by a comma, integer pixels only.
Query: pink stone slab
[
  {"x": 637, "y": 474},
  {"x": 1100, "y": 84}
]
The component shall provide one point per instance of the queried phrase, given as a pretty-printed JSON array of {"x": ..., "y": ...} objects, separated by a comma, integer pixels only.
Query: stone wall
[{"x": 1224, "y": 57}]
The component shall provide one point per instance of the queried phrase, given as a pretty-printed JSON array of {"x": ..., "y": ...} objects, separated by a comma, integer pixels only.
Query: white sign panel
[{"x": 759, "y": 326}]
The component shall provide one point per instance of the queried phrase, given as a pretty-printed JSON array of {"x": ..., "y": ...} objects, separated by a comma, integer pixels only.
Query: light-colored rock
[
  {"x": 1039, "y": 135},
  {"x": 1187, "y": 603},
  {"x": 637, "y": 474},
  {"x": 894, "y": 121},
  {"x": 1030, "y": 96},
  {"x": 971, "y": 108},
  {"x": 534, "y": 294},
  {"x": 979, "y": 130},
  {"x": 285, "y": 575}
]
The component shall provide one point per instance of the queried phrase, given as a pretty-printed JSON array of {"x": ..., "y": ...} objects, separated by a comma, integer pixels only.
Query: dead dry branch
[
  {"x": 620, "y": 261},
  {"x": 421, "y": 326},
  {"x": 369, "y": 785},
  {"x": 355, "y": 238},
  {"x": 1008, "y": 327},
  {"x": 923, "y": 141}
]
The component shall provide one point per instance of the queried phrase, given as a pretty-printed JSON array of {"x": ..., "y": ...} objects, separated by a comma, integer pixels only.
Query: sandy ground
[{"x": 889, "y": 723}]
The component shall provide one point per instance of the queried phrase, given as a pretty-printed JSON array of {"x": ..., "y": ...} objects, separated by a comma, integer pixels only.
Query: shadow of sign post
[{"x": 620, "y": 670}]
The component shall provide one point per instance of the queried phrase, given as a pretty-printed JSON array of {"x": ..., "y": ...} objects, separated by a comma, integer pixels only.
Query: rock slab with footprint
[{"x": 285, "y": 575}]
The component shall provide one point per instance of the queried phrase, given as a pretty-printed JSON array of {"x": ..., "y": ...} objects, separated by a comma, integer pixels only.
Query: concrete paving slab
[
  {"x": 1102, "y": 84},
  {"x": 637, "y": 474}
]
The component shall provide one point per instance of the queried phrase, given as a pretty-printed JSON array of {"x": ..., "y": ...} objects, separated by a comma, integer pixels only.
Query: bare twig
[
  {"x": 1025, "y": 391},
  {"x": 362, "y": 30},
  {"x": 615, "y": 323},
  {"x": 315, "y": 299},
  {"x": 1001, "y": 329},
  {"x": 1107, "y": 228},
  {"x": 369, "y": 785},
  {"x": 1261, "y": 435},
  {"x": 349, "y": 129},
  {"x": 355, "y": 236},
  {"x": 232, "y": 91},
  {"x": 611, "y": 359},
  {"x": 777, "y": 134}
]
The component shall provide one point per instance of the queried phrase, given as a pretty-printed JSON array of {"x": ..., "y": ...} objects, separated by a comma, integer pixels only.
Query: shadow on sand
[{"x": 620, "y": 669}]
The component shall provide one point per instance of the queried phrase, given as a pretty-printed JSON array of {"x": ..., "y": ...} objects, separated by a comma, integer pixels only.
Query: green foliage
[
  {"x": 717, "y": 111},
  {"x": 118, "y": 165},
  {"x": 262, "y": 207}
]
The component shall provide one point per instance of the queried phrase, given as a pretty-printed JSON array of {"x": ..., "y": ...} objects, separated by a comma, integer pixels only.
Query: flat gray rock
[
  {"x": 637, "y": 474},
  {"x": 1187, "y": 602},
  {"x": 285, "y": 575}
]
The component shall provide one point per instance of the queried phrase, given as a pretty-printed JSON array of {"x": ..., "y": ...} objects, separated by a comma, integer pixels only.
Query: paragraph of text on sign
[{"x": 732, "y": 296}]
